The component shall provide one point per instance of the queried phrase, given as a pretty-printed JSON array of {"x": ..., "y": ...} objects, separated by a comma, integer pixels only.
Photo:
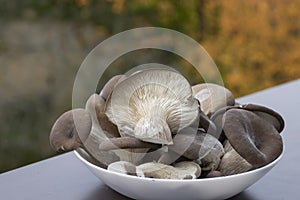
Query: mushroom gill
[{"x": 151, "y": 105}]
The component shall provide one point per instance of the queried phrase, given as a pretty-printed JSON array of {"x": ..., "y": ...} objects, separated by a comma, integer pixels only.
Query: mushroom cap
[
  {"x": 109, "y": 86},
  {"x": 200, "y": 145},
  {"x": 268, "y": 114},
  {"x": 212, "y": 97},
  {"x": 213, "y": 174},
  {"x": 100, "y": 123},
  {"x": 189, "y": 166},
  {"x": 123, "y": 167},
  {"x": 73, "y": 130},
  {"x": 159, "y": 95},
  {"x": 93, "y": 106},
  {"x": 70, "y": 130},
  {"x": 208, "y": 125},
  {"x": 255, "y": 140},
  {"x": 181, "y": 170}
]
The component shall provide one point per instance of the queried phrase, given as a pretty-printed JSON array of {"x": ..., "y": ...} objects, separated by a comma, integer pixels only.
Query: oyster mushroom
[
  {"x": 109, "y": 86},
  {"x": 100, "y": 122},
  {"x": 104, "y": 128},
  {"x": 64, "y": 134},
  {"x": 87, "y": 128},
  {"x": 73, "y": 130},
  {"x": 232, "y": 162},
  {"x": 123, "y": 167},
  {"x": 212, "y": 97},
  {"x": 105, "y": 131},
  {"x": 204, "y": 149},
  {"x": 181, "y": 170},
  {"x": 213, "y": 174},
  {"x": 267, "y": 114},
  {"x": 207, "y": 125},
  {"x": 252, "y": 137},
  {"x": 151, "y": 105}
]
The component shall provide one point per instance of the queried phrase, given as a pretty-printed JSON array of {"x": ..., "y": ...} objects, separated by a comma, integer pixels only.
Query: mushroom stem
[
  {"x": 91, "y": 145},
  {"x": 232, "y": 162},
  {"x": 153, "y": 129}
]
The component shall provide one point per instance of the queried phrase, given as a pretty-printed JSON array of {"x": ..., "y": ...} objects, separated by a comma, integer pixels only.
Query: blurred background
[{"x": 255, "y": 45}]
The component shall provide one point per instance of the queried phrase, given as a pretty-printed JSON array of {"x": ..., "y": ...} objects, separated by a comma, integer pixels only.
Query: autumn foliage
[
  {"x": 258, "y": 42},
  {"x": 254, "y": 43}
]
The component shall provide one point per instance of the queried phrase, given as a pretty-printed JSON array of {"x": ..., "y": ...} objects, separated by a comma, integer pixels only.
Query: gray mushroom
[
  {"x": 123, "y": 167},
  {"x": 151, "y": 105},
  {"x": 213, "y": 174},
  {"x": 100, "y": 122},
  {"x": 103, "y": 131},
  {"x": 87, "y": 128},
  {"x": 64, "y": 134},
  {"x": 204, "y": 149},
  {"x": 73, "y": 130},
  {"x": 109, "y": 86},
  {"x": 232, "y": 162},
  {"x": 181, "y": 170},
  {"x": 252, "y": 137},
  {"x": 267, "y": 114},
  {"x": 212, "y": 97}
]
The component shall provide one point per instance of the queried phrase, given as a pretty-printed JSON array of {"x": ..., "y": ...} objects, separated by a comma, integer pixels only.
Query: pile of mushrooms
[{"x": 152, "y": 123}]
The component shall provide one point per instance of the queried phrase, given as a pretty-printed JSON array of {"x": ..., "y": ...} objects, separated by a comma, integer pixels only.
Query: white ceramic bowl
[{"x": 150, "y": 188}]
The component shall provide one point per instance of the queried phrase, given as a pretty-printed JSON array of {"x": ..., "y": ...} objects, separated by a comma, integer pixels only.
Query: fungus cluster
[{"x": 153, "y": 123}]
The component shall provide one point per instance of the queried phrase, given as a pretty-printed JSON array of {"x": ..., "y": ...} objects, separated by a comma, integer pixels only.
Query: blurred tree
[{"x": 257, "y": 43}]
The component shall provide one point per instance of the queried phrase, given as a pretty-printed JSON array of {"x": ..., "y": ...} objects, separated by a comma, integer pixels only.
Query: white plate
[{"x": 206, "y": 189}]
